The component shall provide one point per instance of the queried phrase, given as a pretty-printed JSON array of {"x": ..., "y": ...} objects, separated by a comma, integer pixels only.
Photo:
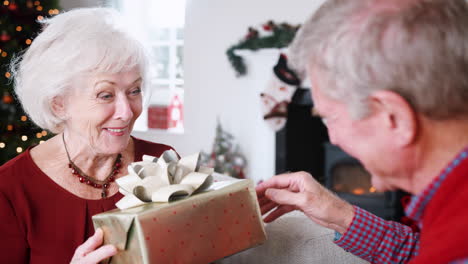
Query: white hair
[
  {"x": 71, "y": 44},
  {"x": 418, "y": 49}
]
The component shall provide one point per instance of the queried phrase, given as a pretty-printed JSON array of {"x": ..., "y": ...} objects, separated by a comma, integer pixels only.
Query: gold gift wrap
[{"x": 200, "y": 229}]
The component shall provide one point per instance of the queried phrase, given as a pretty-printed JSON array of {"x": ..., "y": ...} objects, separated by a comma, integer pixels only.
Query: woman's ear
[
  {"x": 400, "y": 118},
  {"x": 58, "y": 107}
]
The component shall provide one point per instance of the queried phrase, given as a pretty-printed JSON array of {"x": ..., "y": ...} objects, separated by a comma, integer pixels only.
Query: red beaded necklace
[{"x": 83, "y": 178}]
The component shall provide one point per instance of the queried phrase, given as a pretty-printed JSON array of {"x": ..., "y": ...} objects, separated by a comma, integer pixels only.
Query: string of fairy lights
[
  {"x": 17, "y": 34},
  {"x": 24, "y": 138},
  {"x": 30, "y": 4}
]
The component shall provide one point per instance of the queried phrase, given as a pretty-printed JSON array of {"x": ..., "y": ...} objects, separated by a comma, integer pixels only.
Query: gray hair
[
  {"x": 71, "y": 45},
  {"x": 418, "y": 49}
]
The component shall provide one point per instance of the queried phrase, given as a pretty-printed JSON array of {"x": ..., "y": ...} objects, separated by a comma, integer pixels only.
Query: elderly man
[{"x": 390, "y": 80}]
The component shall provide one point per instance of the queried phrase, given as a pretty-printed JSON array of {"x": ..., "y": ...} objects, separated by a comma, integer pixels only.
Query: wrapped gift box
[{"x": 203, "y": 228}]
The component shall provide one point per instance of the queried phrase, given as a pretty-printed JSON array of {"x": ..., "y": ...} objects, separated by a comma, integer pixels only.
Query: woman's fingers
[
  {"x": 99, "y": 254},
  {"x": 92, "y": 243},
  {"x": 87, "y": 253}
]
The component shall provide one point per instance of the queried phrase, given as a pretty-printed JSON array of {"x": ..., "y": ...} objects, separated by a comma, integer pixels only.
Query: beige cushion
[{"x": 295, "y": 239}]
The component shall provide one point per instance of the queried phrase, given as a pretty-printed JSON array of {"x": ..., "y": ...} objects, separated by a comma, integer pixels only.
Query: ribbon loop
[{"x": 163, "y": 179}]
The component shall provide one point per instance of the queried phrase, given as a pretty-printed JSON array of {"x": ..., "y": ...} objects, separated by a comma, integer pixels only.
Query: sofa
[{"x": 294, "y": 239}]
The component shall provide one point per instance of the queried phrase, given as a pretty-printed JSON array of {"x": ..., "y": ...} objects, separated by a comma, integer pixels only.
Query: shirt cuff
[
  {"x": 359, "y": 238},
  {"x": 377, "y": 240},
  {"x": 338, "y": 235}
]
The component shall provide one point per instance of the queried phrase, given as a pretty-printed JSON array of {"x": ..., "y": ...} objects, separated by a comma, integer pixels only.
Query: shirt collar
[{"x": 418, "y": 203}]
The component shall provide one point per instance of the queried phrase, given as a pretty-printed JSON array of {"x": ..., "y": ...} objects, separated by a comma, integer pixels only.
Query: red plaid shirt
[{"x": 379, "y": 241}]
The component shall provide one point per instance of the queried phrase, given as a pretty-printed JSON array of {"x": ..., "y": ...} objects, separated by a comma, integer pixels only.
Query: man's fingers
[
  {"x": 280, "y": 210},
  {"x": 281, "y": 181},
  {"x": 263, "y": 200},
  {"x": 286, "y": 200},
  {"x": 101, "y": 253},
  {"x": 267, "y": 207},
  {"x": 90, "y": 244},
  {"x": 284, "y": 197}
]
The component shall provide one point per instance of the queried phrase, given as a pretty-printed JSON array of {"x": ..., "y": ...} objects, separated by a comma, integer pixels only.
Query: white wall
[
  {"x": 211, "y": 88},
  {"x": 69, "y": 4}
]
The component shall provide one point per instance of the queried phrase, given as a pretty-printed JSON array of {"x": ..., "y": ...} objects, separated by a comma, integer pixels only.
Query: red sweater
[
  {"x": 444, "y": 235},
  {"x": 441, "y": 210},
  {"x": 40, "y": 222}
]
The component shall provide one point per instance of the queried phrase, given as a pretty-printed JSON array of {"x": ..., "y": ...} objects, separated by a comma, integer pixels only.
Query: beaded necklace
[{"x": 83, "y": 178}]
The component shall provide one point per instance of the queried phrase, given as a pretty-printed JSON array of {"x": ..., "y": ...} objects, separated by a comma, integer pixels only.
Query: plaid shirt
[{"x": 379, "y": 241}]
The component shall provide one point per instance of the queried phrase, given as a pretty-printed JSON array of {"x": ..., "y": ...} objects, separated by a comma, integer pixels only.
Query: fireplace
[
  {"x": 303, "y": 145},
  {"x": 300, "y": 144},
  {"x": 345, "y": 176}
]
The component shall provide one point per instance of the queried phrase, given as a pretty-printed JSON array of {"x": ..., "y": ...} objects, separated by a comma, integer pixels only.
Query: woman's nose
[{"x": 123, "y": 109}]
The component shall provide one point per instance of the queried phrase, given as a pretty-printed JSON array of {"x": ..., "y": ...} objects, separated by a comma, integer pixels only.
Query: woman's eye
[
  {"x": 105, "y": 96},
  {"x": 136, "y": 91}
]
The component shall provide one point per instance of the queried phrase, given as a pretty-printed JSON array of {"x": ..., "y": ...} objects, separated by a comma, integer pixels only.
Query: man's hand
[{"x": 300, "y": 191}]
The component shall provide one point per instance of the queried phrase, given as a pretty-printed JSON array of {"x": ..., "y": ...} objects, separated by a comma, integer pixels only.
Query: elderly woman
[{"x": 82, "y": 78}]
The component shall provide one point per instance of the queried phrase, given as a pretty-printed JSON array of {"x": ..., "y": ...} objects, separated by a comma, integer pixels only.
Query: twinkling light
[
  {"x": 2, "y": 145},
  {"x": 53, "y": 11},
  {"x": 37, "y": 3},
  {"x": 6, "y": 2},
  {"x": 38, "y": 135},
  {"x": 19, "y": 149},
  {"x": 19, "y": 28},
  {"x": 28, "y": 41},
  {"x": 4, "y": 54},
  {"x": 41, "y": 141},
  {"x": 39, "y": 8},
  {"x": 24, "y": 138},
  {"x": 40, "y": 17},
  {"x": 44, "y": 133},
  {"x": 24, "y": 118},
  {"x": 7, "y": 74},
  {"x": 10, "y": 127}
]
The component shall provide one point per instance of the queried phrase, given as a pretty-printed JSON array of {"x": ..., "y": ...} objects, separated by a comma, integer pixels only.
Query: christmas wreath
[{"x": 270, "y": 35}]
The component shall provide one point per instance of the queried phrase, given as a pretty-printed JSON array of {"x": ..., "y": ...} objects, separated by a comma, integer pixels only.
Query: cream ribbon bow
[{"x": 163, "y": 179}]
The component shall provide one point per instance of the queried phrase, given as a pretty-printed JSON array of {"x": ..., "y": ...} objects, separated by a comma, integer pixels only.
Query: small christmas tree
[
  {"x": 225, "y": 156},
  {"x": 18, "y": 27}
]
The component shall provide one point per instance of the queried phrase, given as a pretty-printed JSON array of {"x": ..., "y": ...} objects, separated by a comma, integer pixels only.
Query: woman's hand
[
  {"x": 89, "y": 253},
  {"x": 300, "y": 191}
]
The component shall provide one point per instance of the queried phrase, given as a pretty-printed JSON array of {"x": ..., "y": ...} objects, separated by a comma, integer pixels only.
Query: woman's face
[{"x": 102, "y": 110}]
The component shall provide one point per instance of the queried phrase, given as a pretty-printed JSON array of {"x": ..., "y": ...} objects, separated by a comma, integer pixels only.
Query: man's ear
[
  {"x": 400, "y": 118},
  {"x": 58, "y": 107}
]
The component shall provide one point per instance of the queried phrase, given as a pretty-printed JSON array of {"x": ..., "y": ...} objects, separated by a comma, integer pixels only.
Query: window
[{"x": 161, "y": 24}]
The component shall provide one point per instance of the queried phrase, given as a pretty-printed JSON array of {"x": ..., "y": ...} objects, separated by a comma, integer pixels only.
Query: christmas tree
[
  {"x": 18, "y": 27},
  {"x": 225, "y": 156}
]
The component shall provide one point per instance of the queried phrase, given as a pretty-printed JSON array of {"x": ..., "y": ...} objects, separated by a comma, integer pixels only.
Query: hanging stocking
[{"x": 278, "y": 93}]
